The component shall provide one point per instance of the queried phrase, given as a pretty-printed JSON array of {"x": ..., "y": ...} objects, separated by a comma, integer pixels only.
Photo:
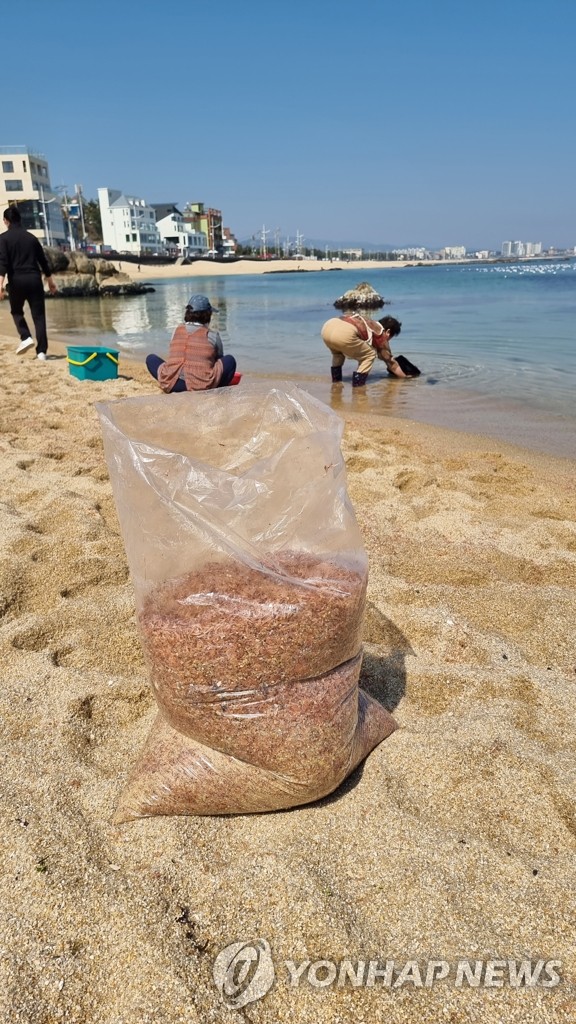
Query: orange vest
[{"x": 192, "y": 357}]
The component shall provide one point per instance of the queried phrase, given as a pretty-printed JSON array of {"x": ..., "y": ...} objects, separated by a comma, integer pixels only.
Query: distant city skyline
[{"x": 416, "y": 124}]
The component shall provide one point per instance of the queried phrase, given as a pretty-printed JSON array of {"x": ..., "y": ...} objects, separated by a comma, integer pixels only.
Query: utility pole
[
  {"x": 79, "y": 194},
  {"x": 44, "y": 204},
  {"x": 299, "y": 241},
  {"x": 277, "y": 241},
  {"x": 64, "y": 190},
  {"x": 265, "y": 232}
]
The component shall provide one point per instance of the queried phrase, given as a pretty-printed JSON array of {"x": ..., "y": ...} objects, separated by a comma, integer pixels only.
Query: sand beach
[
  {"x": 455, "y": 840},
  {"x": 212, "y": 268}
]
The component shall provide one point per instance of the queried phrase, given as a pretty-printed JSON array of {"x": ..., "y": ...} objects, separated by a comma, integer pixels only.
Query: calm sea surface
[{"x": 496, "y": 343}]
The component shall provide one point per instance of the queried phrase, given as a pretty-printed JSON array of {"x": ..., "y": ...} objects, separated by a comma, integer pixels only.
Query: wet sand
[{"x": 455, "y": 840}]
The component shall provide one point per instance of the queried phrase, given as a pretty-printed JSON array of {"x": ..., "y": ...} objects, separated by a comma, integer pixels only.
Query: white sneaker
[
  {"x": 24, "y": 346},
  {"x": 41, "y": 356}
]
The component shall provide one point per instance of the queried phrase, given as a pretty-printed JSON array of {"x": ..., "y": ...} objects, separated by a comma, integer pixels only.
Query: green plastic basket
[{"x": 92, "y": 362}]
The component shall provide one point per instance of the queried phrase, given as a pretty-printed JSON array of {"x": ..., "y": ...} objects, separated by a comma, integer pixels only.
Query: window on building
[
  {"x": 14, "y": 186},
  {"x": 24, "y": 167},
  {"x": 134, "y": 237},
  {"x": 127, "y": 238},
  {"x": 8, "y": 167}
]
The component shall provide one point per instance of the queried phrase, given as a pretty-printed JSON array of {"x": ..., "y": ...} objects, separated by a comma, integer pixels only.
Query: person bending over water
[{"x": 353, "y": 337}]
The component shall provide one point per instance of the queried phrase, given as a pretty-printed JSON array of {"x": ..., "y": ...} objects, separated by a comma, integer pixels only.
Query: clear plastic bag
[{"x": 250, "y": 579}]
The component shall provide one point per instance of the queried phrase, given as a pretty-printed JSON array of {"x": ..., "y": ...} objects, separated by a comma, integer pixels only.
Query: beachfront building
[
  {"x": 413, "y": 253},
  {"x": 521, "y": 248},
  {"x": 25, "y": 181},
  {"x": 177, "y": 237},
  {"x": 453, "y": 252},
  {"x": 208, "y": 221},
  {"x": 128, "y": 223},
  {"x": 229, "y": 242}
]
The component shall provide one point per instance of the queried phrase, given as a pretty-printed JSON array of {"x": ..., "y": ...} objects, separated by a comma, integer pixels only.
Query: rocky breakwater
[{"x": 79, "y": 276}]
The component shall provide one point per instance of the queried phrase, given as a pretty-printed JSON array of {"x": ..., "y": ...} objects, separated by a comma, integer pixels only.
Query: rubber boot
[
  {"x": 359, "y": 379},
  {"x": 336, "y": 374}
]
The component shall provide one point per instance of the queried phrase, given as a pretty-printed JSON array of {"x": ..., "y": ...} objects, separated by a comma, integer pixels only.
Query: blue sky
[{"x": 433, "y": 122}]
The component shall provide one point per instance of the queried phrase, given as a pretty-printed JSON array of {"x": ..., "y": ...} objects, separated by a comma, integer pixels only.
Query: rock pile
[
  {"x": 79, "y": 276},
  {"x": 363, "y": 296}
]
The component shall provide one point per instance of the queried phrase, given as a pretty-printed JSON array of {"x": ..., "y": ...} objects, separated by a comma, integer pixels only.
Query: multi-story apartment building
[
  {"x": 208, "y": 222},
  {"x": 176, "y": 233},
  {"x": 521, "y": 248},
  {"x": 128, "y": 223},
  {"x": 229, "y": 242},
  {"x": 414, "y": 253},
  {"x": 25, "y": 180},
  {"x": 453, "y": 252}
]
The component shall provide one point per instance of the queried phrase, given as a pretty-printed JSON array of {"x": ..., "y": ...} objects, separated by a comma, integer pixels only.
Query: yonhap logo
[{"x": 243, "y": 972}]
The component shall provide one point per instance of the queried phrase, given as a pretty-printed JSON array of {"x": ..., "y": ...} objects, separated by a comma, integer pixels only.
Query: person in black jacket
[{"x": 22, "y": 259}]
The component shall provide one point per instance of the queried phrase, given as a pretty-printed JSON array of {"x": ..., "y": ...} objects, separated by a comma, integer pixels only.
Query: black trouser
[{"x": 29, "y": 288}]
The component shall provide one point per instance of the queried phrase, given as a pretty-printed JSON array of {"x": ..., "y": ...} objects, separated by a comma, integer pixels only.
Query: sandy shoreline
[
  {"x": 455, "y": 840},
  {"x": 209, "y": 268}
]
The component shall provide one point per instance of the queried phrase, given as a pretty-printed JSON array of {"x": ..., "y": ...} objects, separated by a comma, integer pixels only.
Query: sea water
[{"x": 496, "y": 343}]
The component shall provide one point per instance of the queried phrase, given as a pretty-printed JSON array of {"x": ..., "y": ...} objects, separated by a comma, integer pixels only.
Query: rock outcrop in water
[
  {"x": 79, "y": 276},
  {"x": 363, "y": 296}
]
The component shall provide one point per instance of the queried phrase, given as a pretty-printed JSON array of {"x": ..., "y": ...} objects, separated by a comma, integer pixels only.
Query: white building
[
  {"x": 414, "y": 253},
  {"x": 521, "y": 248},
  {"x": 177, "y": 238},
  {"x": 128, "y": 223},
  {"x": 25, "y": 181},
  {"x": 454, "y": 252}
]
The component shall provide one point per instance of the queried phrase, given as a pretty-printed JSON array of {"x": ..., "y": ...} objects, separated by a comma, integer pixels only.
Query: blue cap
[{"x": 200, "y": 304}]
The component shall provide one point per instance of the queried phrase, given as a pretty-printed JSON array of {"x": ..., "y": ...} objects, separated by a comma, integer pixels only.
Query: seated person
[{"x": 196, "y": 360}]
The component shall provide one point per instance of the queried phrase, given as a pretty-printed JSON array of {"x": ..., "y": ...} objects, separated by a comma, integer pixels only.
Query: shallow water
[{"x": 496, "y": 343}]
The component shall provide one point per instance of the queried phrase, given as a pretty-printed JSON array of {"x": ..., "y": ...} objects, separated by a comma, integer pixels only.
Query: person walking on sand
[
  {"x": 23, "y": 261},
  {"x": 353, "y": 337},
  {"x": 196, "y": 360}
]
